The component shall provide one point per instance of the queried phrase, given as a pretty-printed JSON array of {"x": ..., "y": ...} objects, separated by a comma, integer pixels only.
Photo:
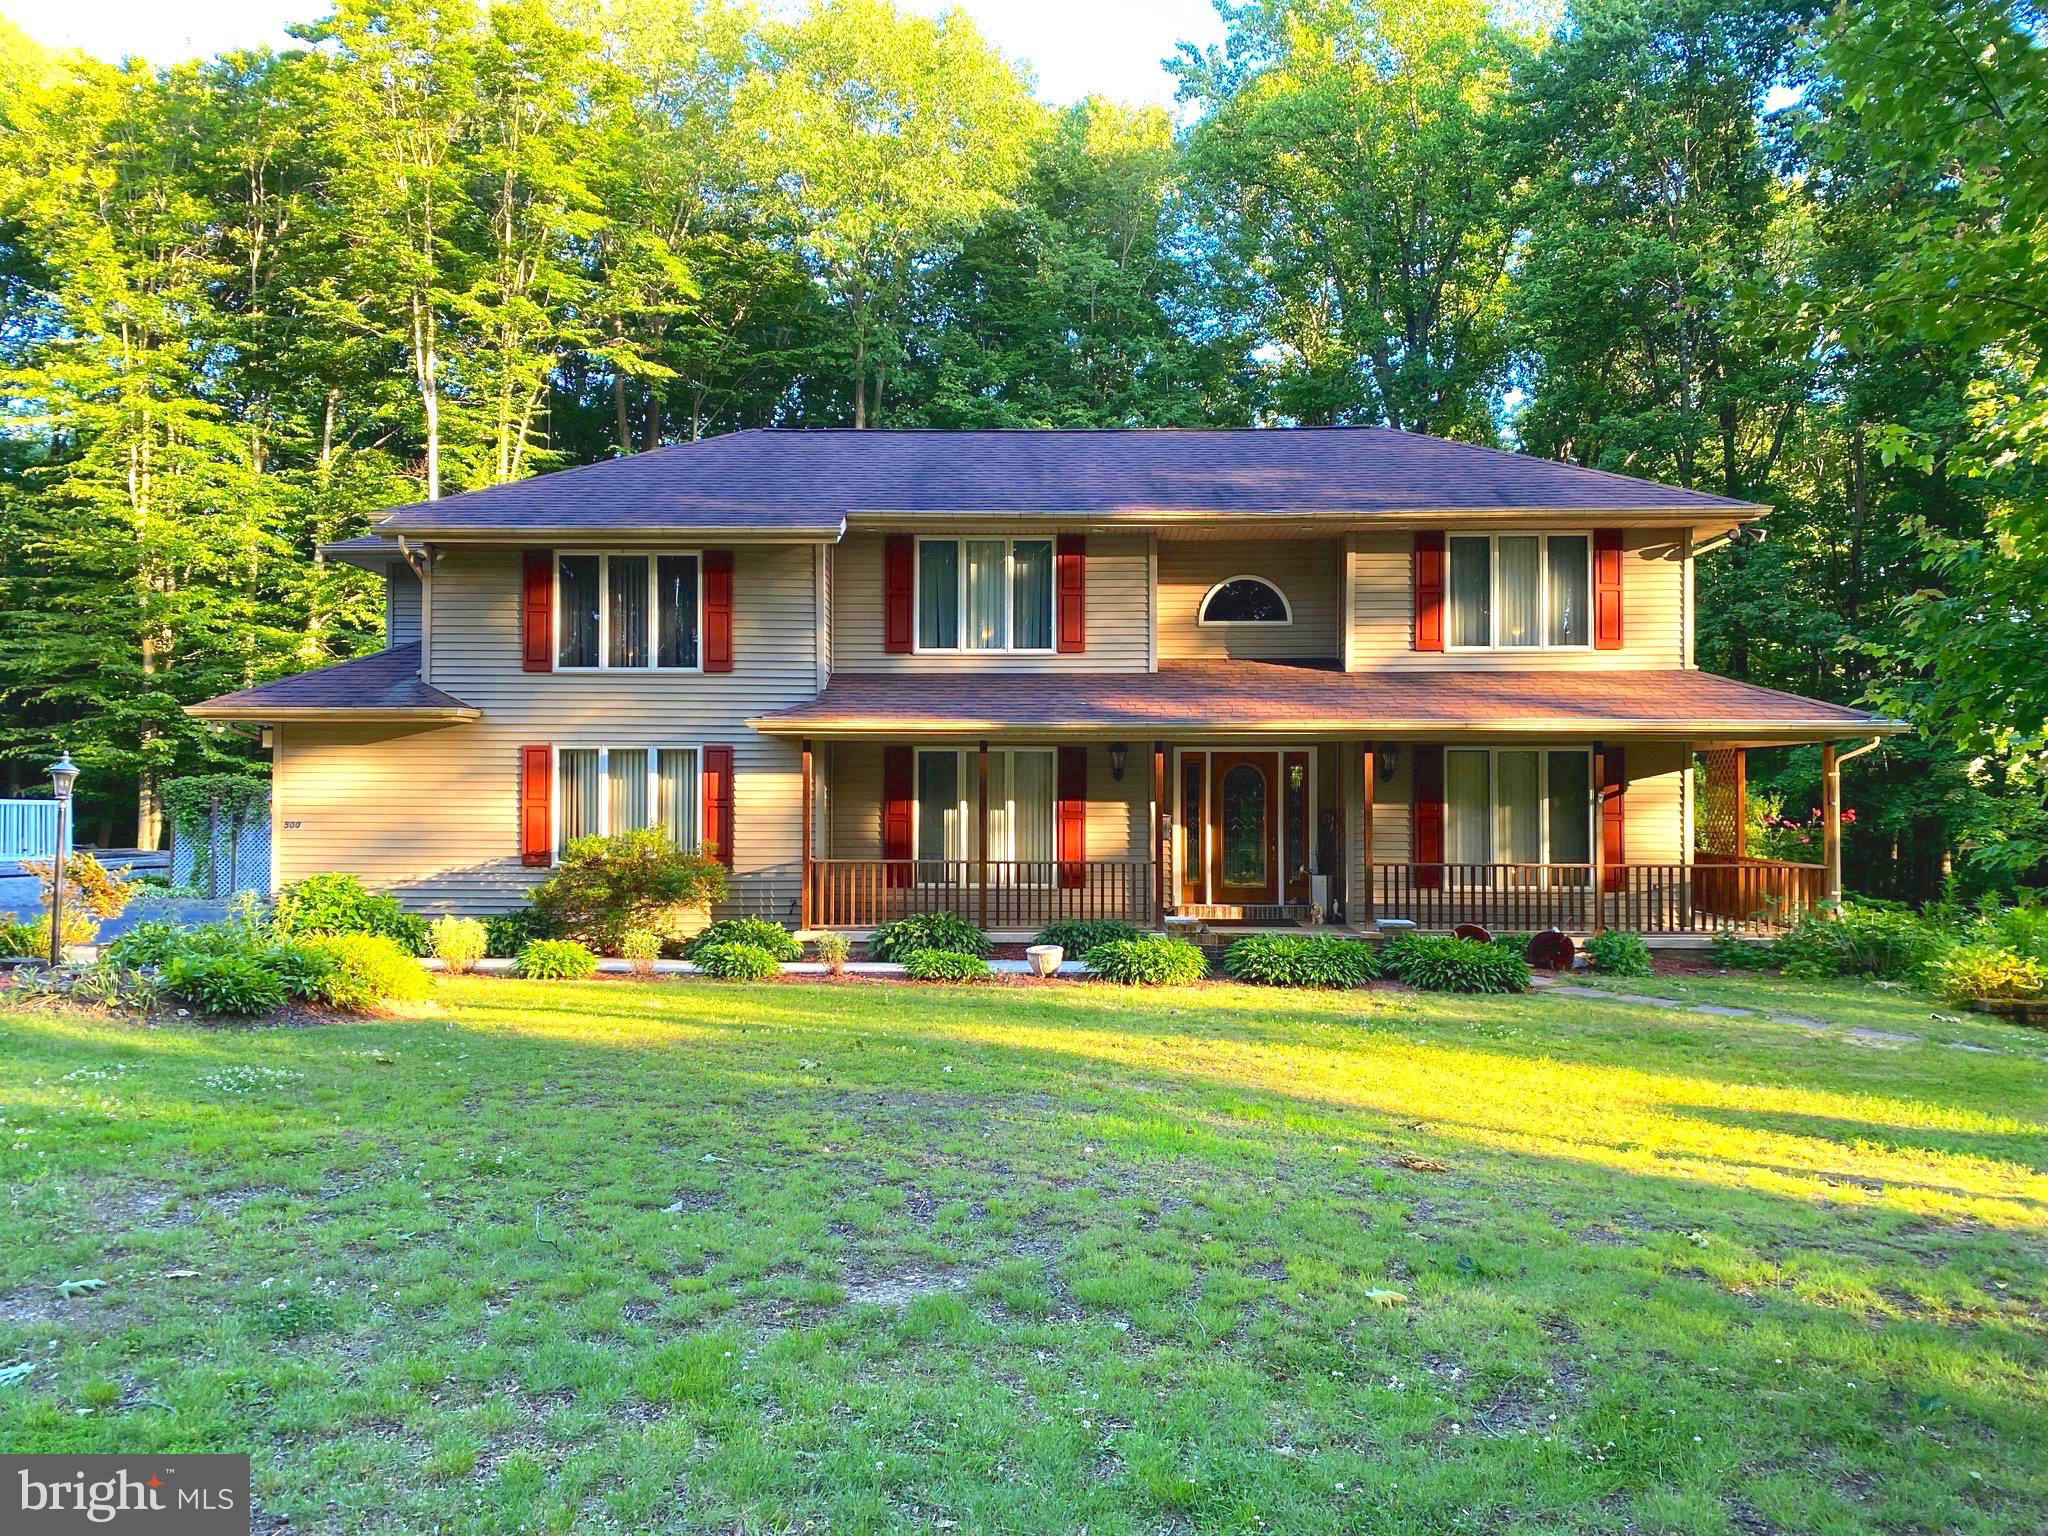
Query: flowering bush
[{"x": 88, "y": 883}]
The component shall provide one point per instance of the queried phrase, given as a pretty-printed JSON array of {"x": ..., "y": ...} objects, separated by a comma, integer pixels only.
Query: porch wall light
[
  {"x": 1119, "y": 754},
  {"x": 1385, "y": 760}
]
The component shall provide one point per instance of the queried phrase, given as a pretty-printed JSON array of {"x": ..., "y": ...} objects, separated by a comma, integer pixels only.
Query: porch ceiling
[{"x": 1259, "y": 698}]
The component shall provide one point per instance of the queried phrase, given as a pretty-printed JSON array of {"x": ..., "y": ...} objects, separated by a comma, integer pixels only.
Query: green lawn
[{"x": 692, "y": 1257}]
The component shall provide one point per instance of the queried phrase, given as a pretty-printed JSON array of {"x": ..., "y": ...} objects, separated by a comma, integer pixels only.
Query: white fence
[{"x": 31, "y": 829}]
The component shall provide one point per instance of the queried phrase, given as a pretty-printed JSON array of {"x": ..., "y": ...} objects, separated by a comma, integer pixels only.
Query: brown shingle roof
[
  {"x": 805, "y": 482},
  {"x": 1223, "y": 697},
  {"x": 386, "y": 684}
]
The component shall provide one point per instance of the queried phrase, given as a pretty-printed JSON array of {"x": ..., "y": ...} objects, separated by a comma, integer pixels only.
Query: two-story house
[{"x": 1252, "y": 676}]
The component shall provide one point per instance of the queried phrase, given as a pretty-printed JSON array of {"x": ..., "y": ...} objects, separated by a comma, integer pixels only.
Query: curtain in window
[
  {"x": 1467, "y": 804},
  {"x": 940, "y": 829},
  {"x": 579, "y": 801},
  {"x": 578, "y": 618},
  {"x": 626, "y": 788},
  {"x": 676, "y": 790},
  {"x": 1521, "y": 591},
  {"x": 1518, "y": 808},
  {"x": 675, "y": 585},
  {"x": 1471, "y": 593},
  {"x": 1031, "y": 600},
  {"x": 1570, "y": 606},
  {"x": 1031, "y": 790},
  {"x": 938, "y": 594},
  {"x": 987, "y": 592},
  {"x": 1001, "y": 823},
  {"x": 628, "y": 581},
  {"x": 1571, "y": 808}
]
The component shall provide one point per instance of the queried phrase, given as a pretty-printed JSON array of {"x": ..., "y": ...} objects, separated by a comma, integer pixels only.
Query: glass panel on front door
[{"x": 1242, "y": 817}]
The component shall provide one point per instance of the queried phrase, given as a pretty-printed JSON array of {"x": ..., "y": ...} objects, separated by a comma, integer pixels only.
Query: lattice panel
[{"x": 1722, "y": 810}]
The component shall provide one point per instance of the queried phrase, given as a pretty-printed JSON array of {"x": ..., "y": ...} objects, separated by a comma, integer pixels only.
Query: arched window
[{"x": 1246, "y": 600}]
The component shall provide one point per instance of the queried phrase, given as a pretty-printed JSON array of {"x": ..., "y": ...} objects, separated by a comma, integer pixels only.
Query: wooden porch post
[
  {"x": 981, "y": 840},
  {"x": 1367, "y": 916},
  {"x": 1599, "y": 881},
  {"x": 1159, "y": 832},
  {"x": 1831, "y": 821},
  {"x": 1741, "y": 798},
  {"x": 809, "y": 807}
]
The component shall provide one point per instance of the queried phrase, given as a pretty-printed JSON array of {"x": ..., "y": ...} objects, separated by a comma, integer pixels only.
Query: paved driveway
[{"x": 22, "y": 895}]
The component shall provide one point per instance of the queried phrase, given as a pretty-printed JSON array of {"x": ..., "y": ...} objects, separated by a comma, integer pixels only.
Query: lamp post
[{"x": 62, "y": 775}]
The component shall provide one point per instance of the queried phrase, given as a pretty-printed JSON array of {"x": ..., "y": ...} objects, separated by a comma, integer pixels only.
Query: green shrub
[
  {"x": 1148, "y": 961},
  {"x": 33, "y": 938},
  {"x": 1078, "y": 935},
  {"x": 556, "y": 960},
  {"x": 944, "y": 965},
  {"x": 833, "y": 948},
  {"x": 1301, "y": 960},
  {"x": 643, "y": 949},
  {"x": 2023, "y": 930},
  {"x": 738, "y": 962},
  {"x": 1859, "y": 938},
  {"x": 238, "y": 985},
  {"x": 758, "y": 931},
  {"x": 457, "y": 942},
  {"x": 303, "y": 970},
  {"x": 1970, "y": 973},
  {"x": 607, "y": 886},
  {"x": 16, "y": 937},
  {"x": 336, "y": 903},
  {"x": 507, "y": 933},
  {"x": 1740, "y": 954},
  {"x": 927, "y": 930},
  {"x": 1437, "y": 962},
  {"x": 145, "y": 946},
  {"x": 1618, "y": 954},
  {"x": 109, "y": 986},
  {"x": 88, "y": 884},
  {"x": 370, "y": 971}
]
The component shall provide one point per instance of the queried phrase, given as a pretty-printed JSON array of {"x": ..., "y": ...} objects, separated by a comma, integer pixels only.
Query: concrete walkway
[{"x": 789, "y": 968}]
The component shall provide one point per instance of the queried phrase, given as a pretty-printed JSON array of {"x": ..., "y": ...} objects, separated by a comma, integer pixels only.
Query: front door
[{"x": 1244, "y": 849}]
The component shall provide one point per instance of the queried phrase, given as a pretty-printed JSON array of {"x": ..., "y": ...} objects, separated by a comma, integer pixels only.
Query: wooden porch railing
[
  {"x": 1019, "y": 893},
  {"x": 1752, "y": 896}
]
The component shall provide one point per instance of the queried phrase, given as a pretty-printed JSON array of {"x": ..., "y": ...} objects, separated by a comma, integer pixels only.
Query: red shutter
[
  {"x": 1607, "y": 589},
  {"x": 1429, "y": 595},
  {"x": 536, "y": 819},
  {"x": 1428, "y": 803},
  {"x": 899, "y": 781},
  {"x": 1072, "y": 586},
  {"x": 1613, "y": 844},
  {"x": 537, "y": 620},
  {"x": 1070, "y": 823},
  {"x": 899, "y": 594},
  {"x": 718, "y": 611},
  {"x": 717, "y": 820}
]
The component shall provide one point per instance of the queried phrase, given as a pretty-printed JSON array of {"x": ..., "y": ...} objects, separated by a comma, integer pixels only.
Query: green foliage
[
  {"x": 32, "y": 938},
  {"x": 145, "y": 946},
  {"x": 738, "y": 962},
  {"x": 234, "y": 984},
  {"x": 904, "y": 937},
  {"x": 1149, "y": 961},
  {"x": 1301, "y": 960},
  {"x": 1614, "y": 953},
  {"x": 606, "y": 886},
  {"x": 111, "y": 986},
  {"x": 758, "y": 931},
  {"x": 1438, "y": 962},
  {"x": 833, "y": 948},
  {"x": 88, "y": 884},
  {"x": 556, "y": 960},
  {"x": 369, "y": 971},
  {"x": 306, "y": 971},
  {"x": 642, "y": 948},
  {"x": 507, "y": 933},
  {"x": 944, "y": 965},
  {"x": 1970, "y": 973},
  {"x": 457, "y": 942},
  {"x": 337, "y": 903},
  {"x": 1740, "y": 954},
  {"x": 1078, "y": 935},
  {"x": 1859, "y": 939}
]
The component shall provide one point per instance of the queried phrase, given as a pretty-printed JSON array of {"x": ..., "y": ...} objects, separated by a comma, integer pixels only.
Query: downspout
[{"x": 1831, "y": 814}]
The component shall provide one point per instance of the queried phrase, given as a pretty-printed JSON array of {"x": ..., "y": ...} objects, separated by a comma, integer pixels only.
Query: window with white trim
[
  {"x": 1245, "y": 600},
  {"x": 984, "y": 594},
  {"x": 1519, "y": 591},
  {"x": 1021, "y": 794},
  {"x": 1517, "y": 805},
  {"x": 629, "y": 611},
  {"x": 600, "y": 791}
]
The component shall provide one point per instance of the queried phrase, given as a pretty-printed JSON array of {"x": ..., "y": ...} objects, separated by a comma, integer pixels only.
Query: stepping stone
[
  {"x": 1557, "y": 989},
  {"x": 1800, "y": 1020},
  {"x": 1882, "y": 1037},
  {"x": 1981, "y": 1050},
  {"x": 1644, "y": 1000},
  {"x": 1723, "y": 1011}
]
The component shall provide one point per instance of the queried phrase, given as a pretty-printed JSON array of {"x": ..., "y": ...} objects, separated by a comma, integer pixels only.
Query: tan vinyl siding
[
  {"x": 401, "y": 606},
  {"x": 1310, "y": 573},
  {"x": 1119, "y": 612},
  {"x": 446, "y": 839},
  {"x": 1381, "y": 567}
]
